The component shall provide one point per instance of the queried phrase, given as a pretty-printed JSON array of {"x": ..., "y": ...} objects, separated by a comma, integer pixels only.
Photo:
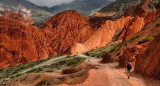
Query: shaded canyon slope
[{"x": 148, "y": 63}]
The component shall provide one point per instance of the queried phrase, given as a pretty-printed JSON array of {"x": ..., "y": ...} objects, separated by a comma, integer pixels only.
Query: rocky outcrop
[
  {"x": 105, "y": 33},
  {"x": 20, "y": 43},
  {"x": 141, "y": 15},
  {"x": 118, "y": 7},
  {"x": 148, "y": 63},
  {"x": 106, "y": 58},
  {"x": 131, "y": 54},
  {"x": 64, "y": 30}
]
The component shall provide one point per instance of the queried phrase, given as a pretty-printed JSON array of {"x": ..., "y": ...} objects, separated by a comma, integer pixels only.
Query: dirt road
[{"x": 109, "y": 75}]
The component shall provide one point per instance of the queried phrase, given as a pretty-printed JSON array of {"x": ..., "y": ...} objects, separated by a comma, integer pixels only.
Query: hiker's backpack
[{"x": 129, "y": 66}]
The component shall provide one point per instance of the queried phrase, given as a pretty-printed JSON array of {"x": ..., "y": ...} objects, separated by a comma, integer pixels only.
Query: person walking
[{"x": 129, "y": 67}]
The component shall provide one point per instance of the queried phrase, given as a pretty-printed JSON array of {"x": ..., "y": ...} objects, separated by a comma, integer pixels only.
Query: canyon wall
[{"x": 148, "y": 63}]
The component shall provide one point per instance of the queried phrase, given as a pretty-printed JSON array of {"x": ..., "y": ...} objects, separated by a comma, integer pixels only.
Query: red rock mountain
[
  {"x": 64, "y": 30},
  {"x": 20, "y": 43},
  {"x": 67, "y": 33},
  {"x": 140, "y": 13}
]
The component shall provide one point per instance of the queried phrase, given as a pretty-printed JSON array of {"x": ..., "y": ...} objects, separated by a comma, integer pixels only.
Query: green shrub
[
  {"x": 155, "y": 20},
  {"x": 1, "y": 77},
  {"x": 118, "y": 53},
  {"x": 41, "y": 82},
  {"x": 74, "y": 79},
  {"x": 22, "y": 67},
  {"x": 158, "y": 25},
  {"x": 50, "y": 70},
  {"x": 38, "y": 76},
  {"x": 35, "y": 70},
  {"x": 73, "y": 62},
  {"x": 145, "y": 39},
  {"x": 14, "y": 72},
  {"x": 11, "y": 77},
  {"x": 82, "y": 73},
  {"x": 60, "y": 63},
  {"x": 18, "y": 75},
  {"x": 133, "y": 38},
  {"x": 68, "y": 56},
  {"x": 1, "y": 70}
]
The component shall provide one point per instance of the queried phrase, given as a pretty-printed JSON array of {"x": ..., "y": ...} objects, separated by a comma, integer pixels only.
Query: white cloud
[{"x": 50, "y": 3}]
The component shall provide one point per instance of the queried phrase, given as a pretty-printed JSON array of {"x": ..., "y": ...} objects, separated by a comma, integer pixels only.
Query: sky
[{"x": 50, "y": 3}]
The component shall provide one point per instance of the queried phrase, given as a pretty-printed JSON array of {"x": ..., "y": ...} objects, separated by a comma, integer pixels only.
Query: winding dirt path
[
  {"x": 49, "y": 62},
  {"x": 109, "y": 75}
]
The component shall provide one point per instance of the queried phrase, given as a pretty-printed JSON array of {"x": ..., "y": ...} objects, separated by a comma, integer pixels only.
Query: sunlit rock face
[
  {"x": 20, "y": 43},
  {"x": 64, "y": 30}
]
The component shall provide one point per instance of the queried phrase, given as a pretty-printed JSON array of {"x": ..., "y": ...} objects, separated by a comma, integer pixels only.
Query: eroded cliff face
[
  {"x": 64, "y": 30},
  {"x": 131, "y": 53},
  {"x": 148, "y": 63},
  {"x": 106, "y": 32},
  {"x": 142, "y": 14},
  {"x": 20, "y": 43},
  {"x": 139, "y": 26},
  {"x": 132, "y": 21}
]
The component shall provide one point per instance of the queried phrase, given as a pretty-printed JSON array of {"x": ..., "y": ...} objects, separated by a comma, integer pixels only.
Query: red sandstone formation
[
  {"x": 140, "y": 17},
  {"x": 103, "y": 14},
  {"x": 64, "y": 30},
  {"x": 148, "y": 63},
  {"x": 133, "y": 20},
  {"x": 66, "y": 33},
  {"x": 20, "y": 43},
  {"x": 106, "y": 33},
  {"x": 131, "y": 53}
]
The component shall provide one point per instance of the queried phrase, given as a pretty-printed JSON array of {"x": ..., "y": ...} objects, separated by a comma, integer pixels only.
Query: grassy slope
[{"x": 46, "y": 65}]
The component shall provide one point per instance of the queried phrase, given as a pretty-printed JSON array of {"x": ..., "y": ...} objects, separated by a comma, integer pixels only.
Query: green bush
[
  {"x": 158, "y": 25},
  {"x": 155, "y": 20},
  {"x": 1, "y": 77},
  {"x": 60, "y": 63},
  {"x": 14, "y": 72},
  {"x": 133, "y": 38},
  {"x": 11, "y": 77},
  {"x": 145, "y": 39},
  {"x": 82, "y": 73},
  {"x": 35, "y": 70},
  {"x": 38, "y": 76},
  {"x": 68, "y": 62},
  {"x": 50, "y": 70},
  {"x": 118, "y": 53},
  {"x": 22, "y": 67},
  {"x": 74, "y": 62},
  {"x": 41, "y": 82},
  {"x": 68, "y": 56},
  {"x": 18, "y": 75}
]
